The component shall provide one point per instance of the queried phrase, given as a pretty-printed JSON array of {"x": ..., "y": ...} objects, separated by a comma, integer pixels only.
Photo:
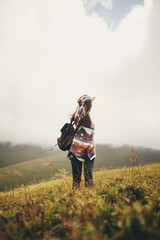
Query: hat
[{"x": 85, "y": 99}]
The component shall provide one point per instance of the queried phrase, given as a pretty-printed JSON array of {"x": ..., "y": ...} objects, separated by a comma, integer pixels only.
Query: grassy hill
[
  {"x": 12, "y": 154},
  {"x": 124, "y": 204},
  {"x": 31, "y": 170},
  {"x": 107, "y": 155}
]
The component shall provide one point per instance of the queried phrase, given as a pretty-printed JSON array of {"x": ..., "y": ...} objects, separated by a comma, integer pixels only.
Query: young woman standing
[{"x": 82, "y": 149}]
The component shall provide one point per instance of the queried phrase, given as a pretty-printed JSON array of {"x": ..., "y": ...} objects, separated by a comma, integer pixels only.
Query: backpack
[
  {"x": 67, "y": 134},
  {"x": 64, "y": 142}
]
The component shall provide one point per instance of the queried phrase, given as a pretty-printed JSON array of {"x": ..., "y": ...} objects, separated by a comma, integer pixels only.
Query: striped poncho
[{"x": 83, "y": 142}]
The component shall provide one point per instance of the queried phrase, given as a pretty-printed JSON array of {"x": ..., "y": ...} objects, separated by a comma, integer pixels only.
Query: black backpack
[
  {"x": 67, "y": 134},
  {"x": 64, "y": 142}
]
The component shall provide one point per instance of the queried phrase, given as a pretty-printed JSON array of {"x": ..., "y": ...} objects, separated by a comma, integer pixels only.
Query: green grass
[
  {"x": 123, "y": 204},
  {"x": 30, "y": 172}
]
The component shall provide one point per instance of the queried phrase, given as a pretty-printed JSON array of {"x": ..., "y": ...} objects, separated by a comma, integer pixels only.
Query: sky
[{"x": 53, "y": 52}]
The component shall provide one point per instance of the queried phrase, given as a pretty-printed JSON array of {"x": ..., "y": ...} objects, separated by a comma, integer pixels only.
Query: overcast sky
[{"x": 54, "y": 51}]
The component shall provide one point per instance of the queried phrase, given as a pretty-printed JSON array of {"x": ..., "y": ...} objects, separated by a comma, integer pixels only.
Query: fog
[{"x": 52, "y": 52}]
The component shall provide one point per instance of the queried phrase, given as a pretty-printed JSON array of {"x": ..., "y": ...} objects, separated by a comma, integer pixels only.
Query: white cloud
[{"x": 52, "y": 52}]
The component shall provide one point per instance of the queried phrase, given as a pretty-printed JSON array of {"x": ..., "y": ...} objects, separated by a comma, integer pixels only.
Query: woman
[{"x": 82, "y": 149}]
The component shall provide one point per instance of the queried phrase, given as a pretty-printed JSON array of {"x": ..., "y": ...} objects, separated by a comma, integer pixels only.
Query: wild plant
[{"x": 133, "y": 159}]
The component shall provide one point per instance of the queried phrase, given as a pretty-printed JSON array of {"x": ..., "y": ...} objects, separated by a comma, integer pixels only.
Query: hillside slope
[
  {"x": 124, "y": 204},
  {"x": 30, "y": 172},
  {"x": 107, "y": 155},
  {"x": 35, "y": 170}
]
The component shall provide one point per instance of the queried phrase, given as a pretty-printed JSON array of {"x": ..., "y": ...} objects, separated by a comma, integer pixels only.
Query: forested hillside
[{"x": 107, "y": 155}]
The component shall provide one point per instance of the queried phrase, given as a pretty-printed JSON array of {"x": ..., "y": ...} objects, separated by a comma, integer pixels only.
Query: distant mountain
[
  {"x": 107, "y": 155},
  {"x": 12, "y": 154},
  {"x": 114, "y": 157}
]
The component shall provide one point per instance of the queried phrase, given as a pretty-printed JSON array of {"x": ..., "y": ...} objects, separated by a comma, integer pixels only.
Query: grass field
[
  {"x": 28, "y": 165},
  {"x": 30, "y": 172},
  {"x": 124, "y": 204}
]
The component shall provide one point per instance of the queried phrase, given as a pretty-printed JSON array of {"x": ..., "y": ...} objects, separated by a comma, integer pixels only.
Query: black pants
[{"x": 77, "y": 170}]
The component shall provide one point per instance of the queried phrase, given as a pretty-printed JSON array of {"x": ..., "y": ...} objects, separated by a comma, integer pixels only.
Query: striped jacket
[{"x": 83, "y": 142}]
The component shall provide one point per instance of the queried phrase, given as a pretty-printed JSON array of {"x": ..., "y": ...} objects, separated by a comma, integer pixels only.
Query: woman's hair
[
  {"x": 86, "y": 108},
  {"x": 87, "y": 121}
]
